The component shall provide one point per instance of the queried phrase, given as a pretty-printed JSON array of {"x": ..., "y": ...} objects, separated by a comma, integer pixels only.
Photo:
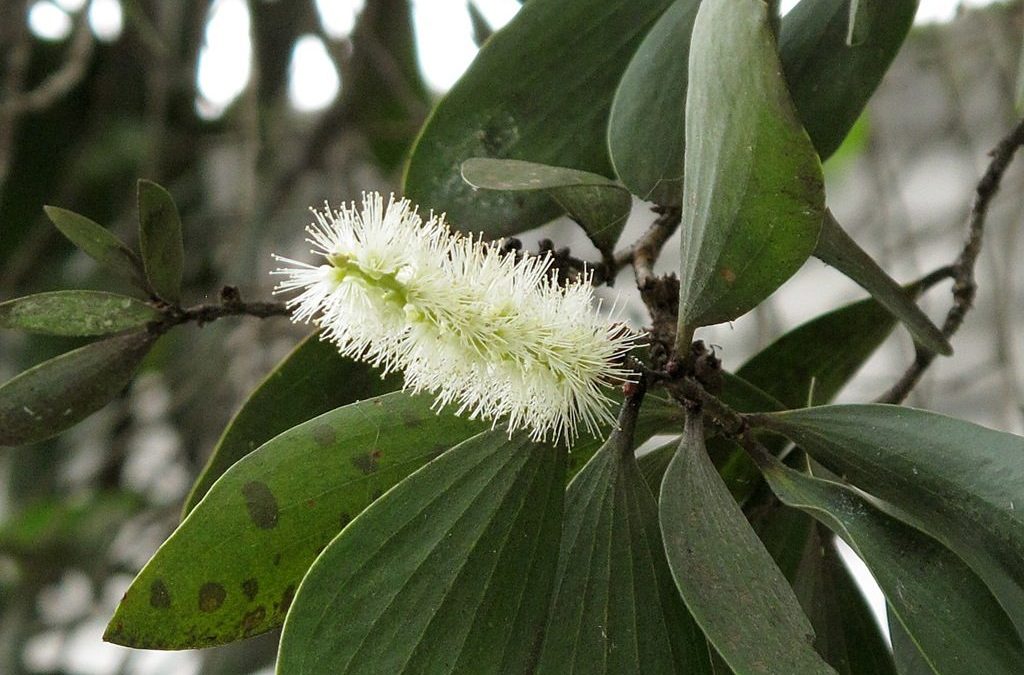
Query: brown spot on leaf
[
  {"x": 727, "y": 275},
  {"x": 211, "y": 596},
  {"x": 324, "y": 435},
  {"x": 251, "y": 587},
  {"x": 287, "y": 597},
  {"x": 411, "y": 420},
  {"x": 253, "y": 621},
  {"x": 159, "y": 597},
  {"x": 368, "y": 463},
  {"x": 262, "y": 505},
  {"x": 310, "y": 503},
  {"x": 345, "y": 519}
]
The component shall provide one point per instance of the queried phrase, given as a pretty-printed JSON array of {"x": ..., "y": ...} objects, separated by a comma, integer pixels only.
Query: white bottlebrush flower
[{"x": 489, "y": 333}]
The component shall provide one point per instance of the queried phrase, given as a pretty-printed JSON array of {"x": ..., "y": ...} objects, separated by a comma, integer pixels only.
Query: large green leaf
[
  {"x": 57, "y": 394},
  {"x": 231, "y": 568},
  {"x": 76, "y": 313},
  {"x": 813, "y": 362},
  {"x": 450, "y": 572},
  {"x": 600, "y": 205},
  {"x": 730, "y": 583},
  {"x": 836, "y": 248},
  {"x": 163, "y": 255},
  {"x": 753, "y": 196},
  {"x": 646, "y": 129},
  {"x": 846, "y": 633},
  {"x": 948, "y": 612},
  {"x": 539, "y": 90},
  {"x": 829, "y": 79},
  {"x": 615, "y": 608},
  {"x": 311, "y": 380},
  {"x": 958, "y": 482},
  {"x": 97, "y": 242}
]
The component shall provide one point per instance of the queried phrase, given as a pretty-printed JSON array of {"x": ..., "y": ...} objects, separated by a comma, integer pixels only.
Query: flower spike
[{"x": 489, "y": 333}]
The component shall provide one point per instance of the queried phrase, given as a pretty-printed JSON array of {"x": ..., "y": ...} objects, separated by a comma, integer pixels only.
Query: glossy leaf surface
[
  {"x": 829, "y": 79},
  {"x": 846, "y": 633},
  {"x": 539, "y": 90},
  {"x": 958, "y": 482},
  {"x": 615, "y": 608},
  {"x": 948, "y": 612},
  {"x": 730, "y": 583},
  {"x": 600, "y": 205},
  {"x": 232, "y": 567},
  {"x": 450, "y": 572},
  {"x": 753, "y": 194},
  {"x": 837, "y": 249},
  {"x": 646, "y": 130},
  {"x": 311, "y": 380}
]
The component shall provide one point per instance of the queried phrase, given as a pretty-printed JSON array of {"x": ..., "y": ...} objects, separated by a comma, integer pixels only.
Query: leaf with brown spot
[
  {"x": 227, "y": 538},
  {"x": 450, "y": 572}
]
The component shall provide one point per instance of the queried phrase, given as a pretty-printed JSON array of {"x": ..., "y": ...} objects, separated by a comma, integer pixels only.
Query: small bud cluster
[{"x": 487, "y": 331}]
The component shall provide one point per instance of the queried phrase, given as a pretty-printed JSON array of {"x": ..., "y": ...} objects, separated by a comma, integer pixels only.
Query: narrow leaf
[
  {"x": 615, "y": 608},
  {"x": 600, "y": 205},
  {"x": 163, "y": 255},
  {"x": 960, "y": 483},
  {"x": 837, "y": 249},
  {"x": 646, "y": 129},
  {"x": 97, "y": 242},
  {"x": 846, "y": 633},
  {"x": 231, "y": 568},
  {"x": 450, "y": 572},
  {"x": 76, "y": 313},
  {"x": 753, "y": 195},
  {"x": 311, "y": 380},
  {"x": 815, "y": 360},
  {"x": 729, "y": 582},
  {"x": 831, "y": 80},
  {"x": 540, "y": 89},
  {"x": 948, "y": 612},
  {"x": 59, "y": 393}
]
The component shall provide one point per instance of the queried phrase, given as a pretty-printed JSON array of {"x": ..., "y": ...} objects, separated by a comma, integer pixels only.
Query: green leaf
[
  {"x": 909, "y": 659},
  {"x": 753, "y": 196},
  {"x": 540, "y": 89},
  {"x": 846, "y": 632},
  {"x": 450, "y": 572},
  {"x": 59, "y": 393},
  {"x": 949, "y": 613},
  {"x": 830, "y": 80},
  {"x": 97, "y": 242},
  {"x": 600, "y": 205},
  {"x": 819, "y": 356},
  {"x": 615, "y": 608},
  {"x": 163, "y": 254},
  {"x": 231, "y": 568},
  {"x": 646, "y": 129},
  {"x": 311, "y": 380},
  {"x": 729, "y": 582},
  {"x": 837, "y": 249},
  {"x": 958, "y": 482},
  {"x": 76, "y": 313}
]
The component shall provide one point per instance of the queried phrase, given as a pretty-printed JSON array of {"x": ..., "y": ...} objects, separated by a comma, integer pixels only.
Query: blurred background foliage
[{"x": 320, "y": 100}]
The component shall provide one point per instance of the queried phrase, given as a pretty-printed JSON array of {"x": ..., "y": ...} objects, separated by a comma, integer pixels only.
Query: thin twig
[
  {"x": 231, "y": 304},
  {"x": 964, "y": 284},
  {"x": 645, "y": 251}
]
